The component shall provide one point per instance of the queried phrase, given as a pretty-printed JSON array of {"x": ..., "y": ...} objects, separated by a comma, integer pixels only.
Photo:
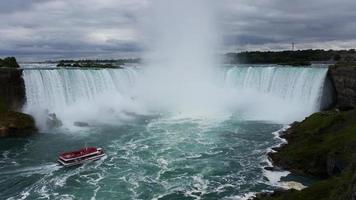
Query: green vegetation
[
  {"x": 296, "y": 58},
  {"x": 86, "y": 65},
  {"x": 321, "y": 139},
  {"x": 345, "y": 64},
  {"x": 9, "y": 62},
  {"x": 3, "y": 107},
  {"x": 96, "y": 63},
  {"x": 323, "y": 145}
]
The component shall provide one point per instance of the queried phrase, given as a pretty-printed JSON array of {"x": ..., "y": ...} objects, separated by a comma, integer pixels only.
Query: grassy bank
[{"x": 323, "y": 145}]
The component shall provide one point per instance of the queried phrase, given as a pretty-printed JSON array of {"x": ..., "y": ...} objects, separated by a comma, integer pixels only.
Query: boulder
[
  {"x": 81, "y": 124},
  {"x": 12, "y": 89},
  {"x": 53, "y": 121},
  {"x": 293, "y": 185},
  {"x": 16, "y": 124}
]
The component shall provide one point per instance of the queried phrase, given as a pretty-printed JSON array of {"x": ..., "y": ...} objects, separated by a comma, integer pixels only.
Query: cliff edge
[
  {"x": 343, "y": 76},
  {"x": 12, "y": 98}
]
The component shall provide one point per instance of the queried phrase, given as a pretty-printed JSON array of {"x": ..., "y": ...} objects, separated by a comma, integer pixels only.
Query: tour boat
[{"x": 81, "y": 156}]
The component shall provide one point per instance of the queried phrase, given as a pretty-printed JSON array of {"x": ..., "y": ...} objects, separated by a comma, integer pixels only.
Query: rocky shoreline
[{"x": 323, "y": 146}]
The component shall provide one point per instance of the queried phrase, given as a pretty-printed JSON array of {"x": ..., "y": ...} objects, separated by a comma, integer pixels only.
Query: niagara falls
[{"x": 164, "y": 99}]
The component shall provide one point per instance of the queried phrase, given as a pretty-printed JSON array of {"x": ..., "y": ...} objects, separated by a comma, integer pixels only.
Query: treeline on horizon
[
  {"x": 299, "y": 57},
  {"x": 118, "y": 61},
  {"x": 9, "y": 62},
  {"x": 97, "y": 63}
]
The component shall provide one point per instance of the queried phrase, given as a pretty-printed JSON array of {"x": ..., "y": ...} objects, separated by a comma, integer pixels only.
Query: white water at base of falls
[{"x": 272, "y": 93}]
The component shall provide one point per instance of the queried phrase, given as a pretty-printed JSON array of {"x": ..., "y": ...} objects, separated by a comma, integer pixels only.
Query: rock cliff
[
  {"x": 12, "y": 98},
  {"x": 12, "y": 89},
  {"x": 344, "y": 80}
]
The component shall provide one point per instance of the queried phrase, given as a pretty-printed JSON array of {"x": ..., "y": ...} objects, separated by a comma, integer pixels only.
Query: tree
[{"x": 9, "y": 62}]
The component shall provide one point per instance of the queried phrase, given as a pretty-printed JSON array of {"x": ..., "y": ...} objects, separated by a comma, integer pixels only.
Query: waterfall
[
  {"x": 77, "y": 94},
  {"x": 304, "y": 85},
  {"x": 258, "y": 93},
  {"x": 289, "y": 93},
  {"x": 57, "y": 89}
]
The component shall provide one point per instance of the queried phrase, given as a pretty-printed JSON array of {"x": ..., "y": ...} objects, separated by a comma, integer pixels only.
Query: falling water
[
  {"x": 77, "y": 95},
  {"x": 279, "y": 94}
]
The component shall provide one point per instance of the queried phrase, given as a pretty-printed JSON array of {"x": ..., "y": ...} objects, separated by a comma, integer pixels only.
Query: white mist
[{"x": 180, "y": 70}]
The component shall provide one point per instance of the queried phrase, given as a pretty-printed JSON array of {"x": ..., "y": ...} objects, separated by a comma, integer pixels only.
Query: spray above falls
[{"x": 181, "y": 40}]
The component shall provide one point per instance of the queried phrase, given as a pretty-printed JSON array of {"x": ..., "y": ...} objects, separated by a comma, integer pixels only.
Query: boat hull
[{"x": 79, "y": 162}]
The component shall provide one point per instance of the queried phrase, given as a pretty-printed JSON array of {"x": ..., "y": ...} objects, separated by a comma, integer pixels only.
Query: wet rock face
[
  {"x": 16, "y": 124},
  {"x": 334, "y": 164},
  {"x": 344, "y": 79},
  {"x": 12, "y": 89},
  {"x": 12, "y": 98}
]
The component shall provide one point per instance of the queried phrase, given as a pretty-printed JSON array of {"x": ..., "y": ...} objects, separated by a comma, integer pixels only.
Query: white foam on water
[
  {"x": 199, "y": 188},
  {"x": 292, "y": 185},
  {"x": 242, "y": 197},
  {"x": 274, "y": 177},
  {"x": 277, "y": 137},
  {"x": 5, "y": 154},
  {"x": 43, "y": 169},
  {"x": 67, "y": 197},
  {"x": 23, "y": 195},
  {"x": 221, "y": 188}
]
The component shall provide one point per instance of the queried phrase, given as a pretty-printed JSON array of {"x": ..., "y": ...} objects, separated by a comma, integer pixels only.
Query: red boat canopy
[{"x": 81, "y": 152}]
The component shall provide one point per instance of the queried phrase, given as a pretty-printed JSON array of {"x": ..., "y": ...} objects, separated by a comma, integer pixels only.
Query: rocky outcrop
[
  {"x": 12, "y": 98},
  {"x": 344, "y": 80},
  {"x": 12, "y": 89},
  {"x": 16, "y": 124}
]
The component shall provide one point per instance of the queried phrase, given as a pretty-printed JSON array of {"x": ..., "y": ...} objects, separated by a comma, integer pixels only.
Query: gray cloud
[
  {"x": 53, "y": 29},
  {"x": 270, "y": 24}
]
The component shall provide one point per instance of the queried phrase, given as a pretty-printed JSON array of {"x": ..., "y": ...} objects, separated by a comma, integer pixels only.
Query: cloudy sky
[{"x": 56, "y": 29}]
